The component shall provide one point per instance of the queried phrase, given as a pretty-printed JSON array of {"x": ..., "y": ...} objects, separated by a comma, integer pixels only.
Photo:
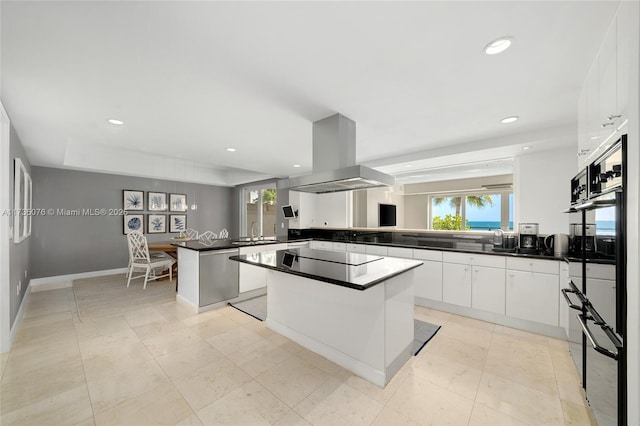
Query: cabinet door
[
  {"x": 583, "y": 143},
  {"x": 533, "y": 296},
  {"x": 456, "y": 284},
  {"x": 428, "y": 280},
  {"x": 356, "y": 248},
  {"x": 376, "y": 250},
  {"x": 251, "y": 277},
  {"x": 607, "y": 89},
  {"x": 625, "y": 21},
  {"x": 338, "y": 247},
  {"x": 488, "y": 289},
  {"x": 321, "y": 245},
  {"x": 593, "y": 114},
  {"x": 304, "y": 244}
]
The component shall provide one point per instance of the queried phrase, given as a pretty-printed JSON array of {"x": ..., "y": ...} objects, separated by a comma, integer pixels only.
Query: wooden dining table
[{"x": 171, "y": 250}]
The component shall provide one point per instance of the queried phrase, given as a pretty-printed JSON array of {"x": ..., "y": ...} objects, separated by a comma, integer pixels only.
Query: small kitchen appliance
[
  {"x": 528, "y": 238},
  {"x": 557, "y": 244},
  {"x": 498, "y": 238},
  {"x": 577, "y": 239}
]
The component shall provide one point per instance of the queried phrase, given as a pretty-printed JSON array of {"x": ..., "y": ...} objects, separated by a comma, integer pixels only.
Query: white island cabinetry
[{"x": 252, "y": 277}]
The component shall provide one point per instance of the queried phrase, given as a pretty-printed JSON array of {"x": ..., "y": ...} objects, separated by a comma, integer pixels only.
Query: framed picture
[
  {"x": 157, "y": 223},
  {"x": 177, "y": 222},
  {"x": 21, "y": 202},
  {"x": 156, "y": 201},
  {"x": 133, "y": 222},
  {"x": 132, "y": 200},
  {"x": 177, "y": 202}
]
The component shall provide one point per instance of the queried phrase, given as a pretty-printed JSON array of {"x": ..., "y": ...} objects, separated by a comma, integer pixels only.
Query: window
[
  {"x": 474, "y": 211},
  {"x": 259, "y": 211}
]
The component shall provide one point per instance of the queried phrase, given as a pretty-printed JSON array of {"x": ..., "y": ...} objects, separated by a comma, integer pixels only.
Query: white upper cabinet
[
  {"x": 604, "y": 98},
  {"x": 624, "y": 32},
  {"x": 607, "y": 89}
]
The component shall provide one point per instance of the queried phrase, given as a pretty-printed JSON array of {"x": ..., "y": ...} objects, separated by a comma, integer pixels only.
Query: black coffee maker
[
  {"x": 576, "y": 239},
  {"x": 528, "y": 238}
]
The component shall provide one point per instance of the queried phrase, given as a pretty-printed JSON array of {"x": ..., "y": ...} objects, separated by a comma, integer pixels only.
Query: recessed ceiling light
[
  {"x": 508, "y": 120},
  {"x": 526, "y": 147},
  {"x": 408, "y": 165},
  {"x": 116, "y": 122},
  {"x": 231, "y": 149},
  {"x": 498, "y": 46},
  {"x": 296, "y": 165}
]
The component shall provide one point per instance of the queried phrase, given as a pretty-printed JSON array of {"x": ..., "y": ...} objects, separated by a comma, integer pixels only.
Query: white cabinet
[
  {"x": 564, "y": 310},
  {"x": 321, "y": 245},
  {"x": 604, "y": 99},
  {"x": 254, "y": 277},
  {"x": 607, "y": 85},
  {"x": 488, "y": 289},
  {"x": 401, "y": 252},
  {"x": 356, "y": 248},
  {"x": 376, "y": 250},
  {"x": 533, "y": 296},
  {"x": 456, "y": 283},
  {"x": 338, "y": 246},
  {"x": 474, "y": 280},
  {"x": 428, "y": 277},
  {"x": 301, "y": 244}
]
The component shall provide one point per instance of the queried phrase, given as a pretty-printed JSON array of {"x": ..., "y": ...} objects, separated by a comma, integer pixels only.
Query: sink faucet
[{"x": 253, "y": 231}]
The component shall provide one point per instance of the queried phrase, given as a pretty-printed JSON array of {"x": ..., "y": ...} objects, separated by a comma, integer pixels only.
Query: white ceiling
[{"x": 192, "y": 78}]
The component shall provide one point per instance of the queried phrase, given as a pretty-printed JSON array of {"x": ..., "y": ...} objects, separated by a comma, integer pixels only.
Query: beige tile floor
[{"x": 162, "y": 365}]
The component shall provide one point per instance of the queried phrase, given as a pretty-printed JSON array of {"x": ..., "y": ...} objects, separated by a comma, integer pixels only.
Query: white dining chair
[
  {"x": 139, "y": 259},
  {"x": 223, "y": 234},
  {"x": 189, "y": 232},
  {"x": 207, "y": 237}
]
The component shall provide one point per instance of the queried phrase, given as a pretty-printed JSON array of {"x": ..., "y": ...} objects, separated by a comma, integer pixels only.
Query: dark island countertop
[
  {"x": 353, "y": 270},
  {"x": 221, "y": 244}
]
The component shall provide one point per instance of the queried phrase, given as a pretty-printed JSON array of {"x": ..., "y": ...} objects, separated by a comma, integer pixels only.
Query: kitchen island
[
  {"x": 351, "y": 308},
  {"x": 207, "y": 278}
]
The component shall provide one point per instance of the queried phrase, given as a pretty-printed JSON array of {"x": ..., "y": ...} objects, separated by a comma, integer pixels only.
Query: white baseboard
[
  {"x": 17, "y": 322},
  {"x": 358, "y": 367},
  {"x": 64, "y": 281},
  {"x": 180, "y": 300}
]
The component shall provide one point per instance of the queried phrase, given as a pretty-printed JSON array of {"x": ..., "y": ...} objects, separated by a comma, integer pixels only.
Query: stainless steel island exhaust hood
[{"x": 334, "y": 161}]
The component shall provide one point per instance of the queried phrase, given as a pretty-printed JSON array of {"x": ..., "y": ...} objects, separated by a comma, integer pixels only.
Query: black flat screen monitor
[
  {"x": 387, "y": 215},
  {"x": 288, "y": 212}
]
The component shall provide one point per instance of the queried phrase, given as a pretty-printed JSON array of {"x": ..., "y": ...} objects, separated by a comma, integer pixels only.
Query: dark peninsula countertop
[
  {"x": 353, "y": 270},
  {"x": 221, "y": 244}
]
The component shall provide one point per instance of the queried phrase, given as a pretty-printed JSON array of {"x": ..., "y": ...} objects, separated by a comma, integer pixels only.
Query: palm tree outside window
[{"x": 473, "y": 211}]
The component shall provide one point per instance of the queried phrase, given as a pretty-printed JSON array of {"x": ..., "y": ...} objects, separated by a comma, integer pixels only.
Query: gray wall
[
  {"x": 18, "y": 253},
  {"x": 62, "y": 245}
]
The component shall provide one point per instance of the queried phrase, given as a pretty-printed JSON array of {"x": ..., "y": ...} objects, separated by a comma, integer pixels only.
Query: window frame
[{"x": 504, "y": 205}]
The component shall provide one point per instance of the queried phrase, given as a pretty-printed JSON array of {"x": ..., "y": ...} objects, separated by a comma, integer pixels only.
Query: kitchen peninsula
[
  {"x": 351, "y": 308},
  {"x": 207, "y": 277}
]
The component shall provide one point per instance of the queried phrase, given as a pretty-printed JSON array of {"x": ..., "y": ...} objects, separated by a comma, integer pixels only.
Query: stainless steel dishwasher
[{"x": 218, "y": 276}]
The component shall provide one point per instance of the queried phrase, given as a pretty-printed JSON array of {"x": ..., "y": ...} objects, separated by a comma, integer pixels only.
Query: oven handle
[
  {"x": 577, "y": 292},
  {"x": 568, "y": 300},
  {"x": 583, "y": 323}
]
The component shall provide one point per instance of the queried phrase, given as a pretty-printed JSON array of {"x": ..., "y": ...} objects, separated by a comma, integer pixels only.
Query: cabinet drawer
[
  {"x": 356, "y": 248},
  {"x": 405, "y": 253},
  {"x": 427, "y": 255},
  {"x": 321, "y": 245},
  {"x": 339, "y": 246},
  {"x": 488, "y": 261},
  {"x": 534, "y": 265},
  {"x": 377, "y": 250},
  {"x": 304, "y": 244},
  {"x": 594, "y": 270},
  {"x": 451, "y": 257}
]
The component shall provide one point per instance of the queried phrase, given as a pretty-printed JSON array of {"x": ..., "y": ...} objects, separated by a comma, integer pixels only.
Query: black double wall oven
[{"x": 596, "y": 290}]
